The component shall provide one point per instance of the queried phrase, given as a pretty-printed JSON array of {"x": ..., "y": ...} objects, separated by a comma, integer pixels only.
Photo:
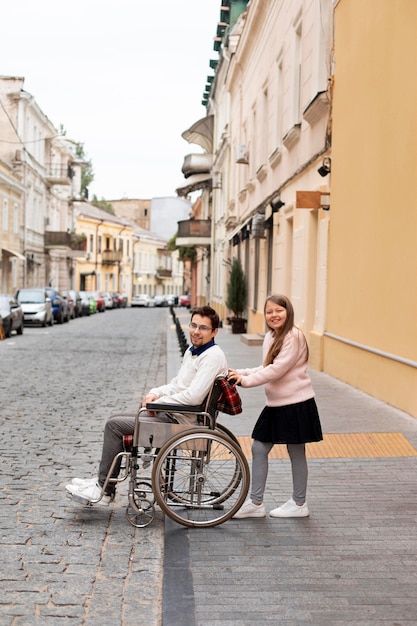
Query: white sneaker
[
  {"x": 89, "y": 494},
  {"x": 290, "y": 509},
  {"x": 248, "y": 509},
  {"x": 83, "y": 482}
]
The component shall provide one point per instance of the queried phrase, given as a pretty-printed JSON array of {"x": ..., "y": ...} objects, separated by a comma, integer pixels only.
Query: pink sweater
[{"x": 286, "y": 380}]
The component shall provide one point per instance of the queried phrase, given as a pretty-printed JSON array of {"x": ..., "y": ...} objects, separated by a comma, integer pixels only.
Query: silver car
[
  {"x": 11, "y": 314},
  {"x": 36, "y": 306},
  {"x": 142, "y": 299}
]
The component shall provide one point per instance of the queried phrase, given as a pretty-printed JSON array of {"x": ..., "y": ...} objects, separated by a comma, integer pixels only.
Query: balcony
[
  {"x": 194, "y": 233},
  {"x": 59, "y": 174},
  {"x": 111, "y": 257},
  {"x": 64, "y": 239},
  {"x": 163, "y": 273},
  {"x": 197, "y": 164}
]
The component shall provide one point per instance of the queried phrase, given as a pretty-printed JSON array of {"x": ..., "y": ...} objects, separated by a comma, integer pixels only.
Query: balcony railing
[
  {"x": 64, "y": 239},
  {"x": 163, "y": 273},
  {"x": 59, "y": 174},
  {"x": 194, "y": 233},
  {"x": 111, "y": 257}
]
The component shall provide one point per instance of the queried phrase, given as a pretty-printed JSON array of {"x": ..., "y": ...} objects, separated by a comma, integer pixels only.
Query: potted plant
[{"x": 236, "y": 297}]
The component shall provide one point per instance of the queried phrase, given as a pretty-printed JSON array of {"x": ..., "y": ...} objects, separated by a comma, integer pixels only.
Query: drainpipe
[{"x": 96, "y": 263}]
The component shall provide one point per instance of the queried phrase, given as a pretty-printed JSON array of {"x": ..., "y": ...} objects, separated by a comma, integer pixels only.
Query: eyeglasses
[{"x": 202, "y": 329}]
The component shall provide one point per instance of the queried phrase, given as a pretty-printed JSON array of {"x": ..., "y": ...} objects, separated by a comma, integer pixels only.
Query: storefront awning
[{"x": 14, "y": 253}]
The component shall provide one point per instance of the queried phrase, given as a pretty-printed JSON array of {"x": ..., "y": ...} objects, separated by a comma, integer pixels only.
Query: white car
[
  {"x": 108, "y": 300},
  {"x": 36, "y": 306},
  {"x": 142, "y": 299}
]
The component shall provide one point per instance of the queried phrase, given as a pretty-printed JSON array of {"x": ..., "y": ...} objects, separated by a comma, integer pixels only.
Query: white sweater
[
  {"x": 194, "y": 379},
  {"x": 286, "y": 379}
]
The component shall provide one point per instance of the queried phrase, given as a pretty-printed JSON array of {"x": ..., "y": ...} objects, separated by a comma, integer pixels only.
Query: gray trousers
[
  {"x": 116, "y": 427},
  {"x": 297, "y": 454}
]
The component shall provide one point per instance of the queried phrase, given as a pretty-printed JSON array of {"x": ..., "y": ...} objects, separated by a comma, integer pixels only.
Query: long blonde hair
[{"x": 280, "y": 334}]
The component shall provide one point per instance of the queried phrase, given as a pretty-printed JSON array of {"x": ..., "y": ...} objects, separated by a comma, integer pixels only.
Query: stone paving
[
  {"x": 352, "y": 562},
  {"x": 61, "y": 562}
]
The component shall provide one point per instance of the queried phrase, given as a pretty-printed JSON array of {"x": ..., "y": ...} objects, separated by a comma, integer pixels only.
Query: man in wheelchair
[{"x": 201, "y": 364}]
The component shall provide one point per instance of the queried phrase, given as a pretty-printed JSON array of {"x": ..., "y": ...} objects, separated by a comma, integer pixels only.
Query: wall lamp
[
  {"x": 276, "y": 205},
  {"x": 326, "y": 168}
]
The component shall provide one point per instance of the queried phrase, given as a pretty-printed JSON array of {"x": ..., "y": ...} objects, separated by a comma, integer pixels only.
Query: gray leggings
[{"x": 297, "y": 453}]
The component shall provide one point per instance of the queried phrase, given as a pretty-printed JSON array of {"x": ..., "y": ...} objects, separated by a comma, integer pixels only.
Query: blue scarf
[{"x": 201, "y": 349}]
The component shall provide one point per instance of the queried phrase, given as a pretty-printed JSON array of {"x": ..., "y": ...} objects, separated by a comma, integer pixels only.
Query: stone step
[{"x": 252, "y": 339}]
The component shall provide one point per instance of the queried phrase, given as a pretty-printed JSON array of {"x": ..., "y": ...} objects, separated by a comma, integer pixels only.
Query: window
[
  {"x": 5, "y": 215},
  {"x": 91, "y": 243},
  {"x": 16, "y": 218},
  {"x": 279, "y": 108},
  {"x": 297, "y": 72}
]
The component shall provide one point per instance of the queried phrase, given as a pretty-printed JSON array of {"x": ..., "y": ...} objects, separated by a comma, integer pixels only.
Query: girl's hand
[{"x": 234, "y": 377}]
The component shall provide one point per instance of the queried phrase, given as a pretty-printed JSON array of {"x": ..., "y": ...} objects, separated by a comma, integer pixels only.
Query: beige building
[
  {"x": 106, "y": 263},
  {"x": 156, "y": 269},
  {"x": 43, "y": 179},
  {"x": 134, "y": 210},
  {"x": 302, "y": 133},
  {"x": 370, "y": 337},
  {"x": 12, "y": 259}
]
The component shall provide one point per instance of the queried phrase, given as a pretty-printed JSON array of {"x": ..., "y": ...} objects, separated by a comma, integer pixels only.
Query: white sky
[{"x": 124, "y": 77}]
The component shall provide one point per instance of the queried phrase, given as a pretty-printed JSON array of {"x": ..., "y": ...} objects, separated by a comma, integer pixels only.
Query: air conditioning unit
[{"x": 241, "y": 154}]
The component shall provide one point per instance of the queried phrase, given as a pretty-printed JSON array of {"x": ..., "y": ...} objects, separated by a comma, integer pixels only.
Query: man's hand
[{"x": 150, "y": 397}]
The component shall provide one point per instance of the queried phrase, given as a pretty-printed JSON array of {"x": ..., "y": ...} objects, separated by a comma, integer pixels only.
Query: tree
[
  {"x": 103, "y": 204},
  {"x": 236, "y": 290},
  {"x": 87, "y": 173}
]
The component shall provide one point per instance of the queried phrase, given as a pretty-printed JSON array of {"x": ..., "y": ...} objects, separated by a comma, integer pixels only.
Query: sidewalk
[{"x": 353, "y": 561}]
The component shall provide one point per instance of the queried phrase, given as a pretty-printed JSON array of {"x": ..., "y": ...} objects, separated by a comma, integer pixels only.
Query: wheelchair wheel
[
  {"x": 140, "y": 511},
  {"x": 212, "y": 497},
  {"x": 225, "y": 431},
  {"x": 200, "y": 478}
]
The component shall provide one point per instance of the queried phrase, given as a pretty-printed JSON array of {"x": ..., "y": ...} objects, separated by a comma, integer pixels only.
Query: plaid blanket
[{"x": 229, "y": 400}]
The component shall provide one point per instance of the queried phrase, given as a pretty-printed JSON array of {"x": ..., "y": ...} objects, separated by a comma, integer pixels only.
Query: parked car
[
  {"x": 108, "y": 300},
  {"x": 185, "y": 300},
  {"x": 100, "y": 301},
  {"x": 88, "y": 303},
  {"x": 76, "y": 298},
  {"x": 171, "y": 299},
  {"x": 12, "y": 314},
  {"x": 70, "y": 303},
  {"x": 36, "y": 306},
  {"x": 142, "y": 299},
  {"x": 160, "y": 300},
  {"x": 120, "y": 302},
  {"x": 60, "y": 307}
]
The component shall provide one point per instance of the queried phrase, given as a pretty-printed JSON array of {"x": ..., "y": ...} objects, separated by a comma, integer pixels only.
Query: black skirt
[{"x": 293, "y": 423}]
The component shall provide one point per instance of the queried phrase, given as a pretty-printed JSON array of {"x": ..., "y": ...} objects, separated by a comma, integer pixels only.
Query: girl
[{"x": 290, "y": 416}]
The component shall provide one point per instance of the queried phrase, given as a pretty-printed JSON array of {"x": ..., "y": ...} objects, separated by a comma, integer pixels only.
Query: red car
[
  {"x": 99, "y": 298},
  {"x": 185, "y": 300}
]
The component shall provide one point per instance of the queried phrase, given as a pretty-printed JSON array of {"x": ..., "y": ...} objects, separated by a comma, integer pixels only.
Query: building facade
[
  {"x": 42, "y": 182},
  {"x": 370, "y": 338},
  {"x": 303, "y": 131}
]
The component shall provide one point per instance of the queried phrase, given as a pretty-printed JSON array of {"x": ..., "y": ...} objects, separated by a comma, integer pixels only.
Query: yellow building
[
  {"x": 156, "y": 269},
  {"x": 371, "y": 331},
  {"x": 106, "y": 263}
]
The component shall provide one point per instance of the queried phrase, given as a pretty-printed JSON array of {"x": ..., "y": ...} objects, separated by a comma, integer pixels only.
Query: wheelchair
[{"x": 200, "y": 476}]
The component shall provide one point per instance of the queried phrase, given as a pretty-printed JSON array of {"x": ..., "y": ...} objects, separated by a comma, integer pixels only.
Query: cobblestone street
[{"x": 58, "y": 386}]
